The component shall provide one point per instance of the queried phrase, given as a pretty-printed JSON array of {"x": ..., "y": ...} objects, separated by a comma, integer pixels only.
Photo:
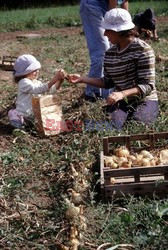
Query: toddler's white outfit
[{"x": 26, "y": 89}]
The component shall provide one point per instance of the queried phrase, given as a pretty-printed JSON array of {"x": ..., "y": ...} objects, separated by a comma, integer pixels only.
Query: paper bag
[{"x": 47, "y": 110}]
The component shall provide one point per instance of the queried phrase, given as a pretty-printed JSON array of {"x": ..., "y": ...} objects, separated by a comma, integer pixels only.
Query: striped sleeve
[
  {"x": 108, "y": 82},
  {"x": 146, "y": 71}
]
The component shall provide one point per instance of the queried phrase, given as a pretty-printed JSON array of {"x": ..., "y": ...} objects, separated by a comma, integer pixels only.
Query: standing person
[
  {"x": 129, "y": 68},
  {"x": 92, "y": 13},
  {"x": 26, "y": 70},
  {"x": 145, "y": 22}
]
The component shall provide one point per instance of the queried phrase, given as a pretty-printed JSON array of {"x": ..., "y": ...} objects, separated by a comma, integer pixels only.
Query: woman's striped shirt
[{"x": 131, "y": 67}]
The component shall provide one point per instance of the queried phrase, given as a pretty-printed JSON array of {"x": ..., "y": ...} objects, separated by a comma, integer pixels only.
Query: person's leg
[
  {"x": 117, "y": 115},
  {"x": 97, "y": 45},
  {"x": 146, "y": 112},
  {"x": 15, "y": 119}
]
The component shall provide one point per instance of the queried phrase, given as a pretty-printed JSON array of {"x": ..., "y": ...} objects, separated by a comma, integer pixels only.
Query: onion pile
[{"x": 122, "y": 158}]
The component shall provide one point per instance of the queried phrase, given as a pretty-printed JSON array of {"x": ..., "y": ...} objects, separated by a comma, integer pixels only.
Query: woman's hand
[
  {"x": 74, "y": 78},
  {"x": 115, "y": 97}
]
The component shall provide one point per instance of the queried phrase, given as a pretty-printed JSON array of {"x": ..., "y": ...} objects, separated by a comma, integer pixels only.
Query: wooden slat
[
  {"x": 161, "y": 135},
  {"x": 152, "y": 140},
  {"x": 105, "y": 145},
  {"x": 137, "y": 177},
  {"x": 128, "y": 142},
  {"x": 102, "y": 176},
  {"x": 135, "y": 171},
  {"x": 136, "y": 189},
  {"x": 131, "y": 179},
  {"x": 102, "y": 168}
]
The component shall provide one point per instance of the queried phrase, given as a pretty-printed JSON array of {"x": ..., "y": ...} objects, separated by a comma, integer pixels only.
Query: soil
[{"x": 47, "y": 31}]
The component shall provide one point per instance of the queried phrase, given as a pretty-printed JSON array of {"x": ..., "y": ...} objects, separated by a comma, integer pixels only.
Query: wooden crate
[
  {"x": 7, "y": 63},
  {"x": 136, "y": 181}
]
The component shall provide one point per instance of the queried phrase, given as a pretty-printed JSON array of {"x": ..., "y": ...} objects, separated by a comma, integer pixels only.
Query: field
[{"x": 36, "y": 173}]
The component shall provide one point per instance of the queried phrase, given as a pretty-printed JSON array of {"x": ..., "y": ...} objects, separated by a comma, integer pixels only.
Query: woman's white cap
[
  {"x": 25, "y": 64},
  {"x": 117, "y": 19}
]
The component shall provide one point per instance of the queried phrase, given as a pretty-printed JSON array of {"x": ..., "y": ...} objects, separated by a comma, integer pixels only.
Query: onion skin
[
  {"x": 112, "y": 180},
  {"x": 122, "y": 152},
  {"x": 164, "y": 156},
  {"x": 123, "y": 159}
]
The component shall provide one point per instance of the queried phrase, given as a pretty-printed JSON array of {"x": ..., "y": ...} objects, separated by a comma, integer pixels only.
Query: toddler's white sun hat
[
  {"x": 25, "y": 64},
  {"x": 117, "y": 19}
]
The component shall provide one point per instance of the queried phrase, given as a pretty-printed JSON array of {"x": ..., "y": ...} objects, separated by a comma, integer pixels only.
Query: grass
[
  {"x": 37, "y": 172},
  {"x": 66, "y": 16},
  {"x": 160, "y": 7},
  {"x": 39, "y": 18}
]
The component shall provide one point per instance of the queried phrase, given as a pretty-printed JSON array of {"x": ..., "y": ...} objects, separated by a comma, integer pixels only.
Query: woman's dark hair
[{"x": 127, "y": 33}]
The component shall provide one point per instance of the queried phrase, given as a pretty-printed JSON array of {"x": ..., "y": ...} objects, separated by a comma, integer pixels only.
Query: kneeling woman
[{"x": 129, "y": 68}]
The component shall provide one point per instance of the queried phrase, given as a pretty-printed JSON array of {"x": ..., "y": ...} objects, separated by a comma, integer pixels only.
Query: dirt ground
[{"x": 47, "y": 31}]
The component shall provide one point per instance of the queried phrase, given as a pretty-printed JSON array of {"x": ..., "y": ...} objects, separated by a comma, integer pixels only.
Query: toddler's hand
[{"x": 61, "y": 74}]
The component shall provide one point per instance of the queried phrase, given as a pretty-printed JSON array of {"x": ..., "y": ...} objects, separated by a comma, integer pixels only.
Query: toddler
[{"x": 26, "y": 70}]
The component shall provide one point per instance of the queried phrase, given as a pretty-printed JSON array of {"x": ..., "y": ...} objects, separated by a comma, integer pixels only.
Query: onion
[
  {"x": 153, "y": 163},
  {"x": 114, "y": 165},
  {"x": 111, "y": 161},
  {"x": 76, "y": 198},
  {"x": 138, "y": 159},
  {"x": 145, "y": 162},
  {"x": 146, "y": 154},
  {"x": 164, "y": 156},
  {"x": 72, "y": 210},
  {"x": 121, "y": 161},
  {"x": 112, "y": 180},
  {"x": 122, "y": 152},
  {"x": 157, "y": 160},
  {"x": 132, "y": 158},
  {"x": 107, "y": 161},
  {"x": 126, "y": 164}
]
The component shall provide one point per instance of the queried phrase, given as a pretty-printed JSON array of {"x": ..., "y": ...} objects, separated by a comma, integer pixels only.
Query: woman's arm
[
  {"x": 131, "y": 92},
  {"x": 118, "y": 96},
  {"x": 75, "y": 78}
]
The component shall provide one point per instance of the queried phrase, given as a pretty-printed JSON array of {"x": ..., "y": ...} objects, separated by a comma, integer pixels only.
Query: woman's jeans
[
  {"x": 97, "y": 43},
  {"x": 144, "y": 112}
]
